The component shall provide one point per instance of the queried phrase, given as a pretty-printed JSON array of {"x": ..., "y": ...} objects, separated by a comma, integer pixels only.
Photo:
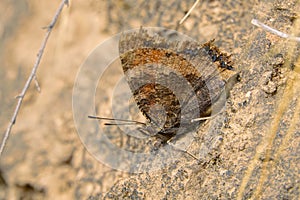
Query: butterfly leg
[{"x": 169, "y": 142}]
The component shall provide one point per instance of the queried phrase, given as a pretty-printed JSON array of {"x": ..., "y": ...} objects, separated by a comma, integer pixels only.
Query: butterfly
[{"x": 175, "y": 84}]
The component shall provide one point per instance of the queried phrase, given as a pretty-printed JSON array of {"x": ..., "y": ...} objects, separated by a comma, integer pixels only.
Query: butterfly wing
[{"x": 172, "y": 82}]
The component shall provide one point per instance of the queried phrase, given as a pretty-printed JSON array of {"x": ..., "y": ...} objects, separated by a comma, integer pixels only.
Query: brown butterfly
[{"x": 175, "y": 84}]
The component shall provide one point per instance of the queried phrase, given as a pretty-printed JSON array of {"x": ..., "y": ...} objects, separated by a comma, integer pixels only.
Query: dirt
[{"x": 252, "y": 147}]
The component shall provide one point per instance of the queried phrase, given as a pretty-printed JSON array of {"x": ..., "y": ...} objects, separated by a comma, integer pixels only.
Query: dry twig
[
  {"x": 32, "y": 75},
  {"x": 274, "y": 31},
  {"x": 189, "y": 12}
]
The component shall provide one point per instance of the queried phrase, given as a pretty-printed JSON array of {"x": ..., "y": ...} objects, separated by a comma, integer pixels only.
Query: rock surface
[{"x": 256, "y": 155}]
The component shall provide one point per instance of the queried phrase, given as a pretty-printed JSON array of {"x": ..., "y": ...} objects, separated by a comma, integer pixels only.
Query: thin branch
[
  {"x": 37, "y": 85},
  {"x": 274, "y": 31},
  {"x": 189, "y": 12},
  {"x": 32, "y": 75}
]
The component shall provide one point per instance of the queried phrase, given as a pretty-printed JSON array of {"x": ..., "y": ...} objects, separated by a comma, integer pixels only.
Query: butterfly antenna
[
  {"x": 117, "y": 124},
  {"x": 129, "y": 122}
]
